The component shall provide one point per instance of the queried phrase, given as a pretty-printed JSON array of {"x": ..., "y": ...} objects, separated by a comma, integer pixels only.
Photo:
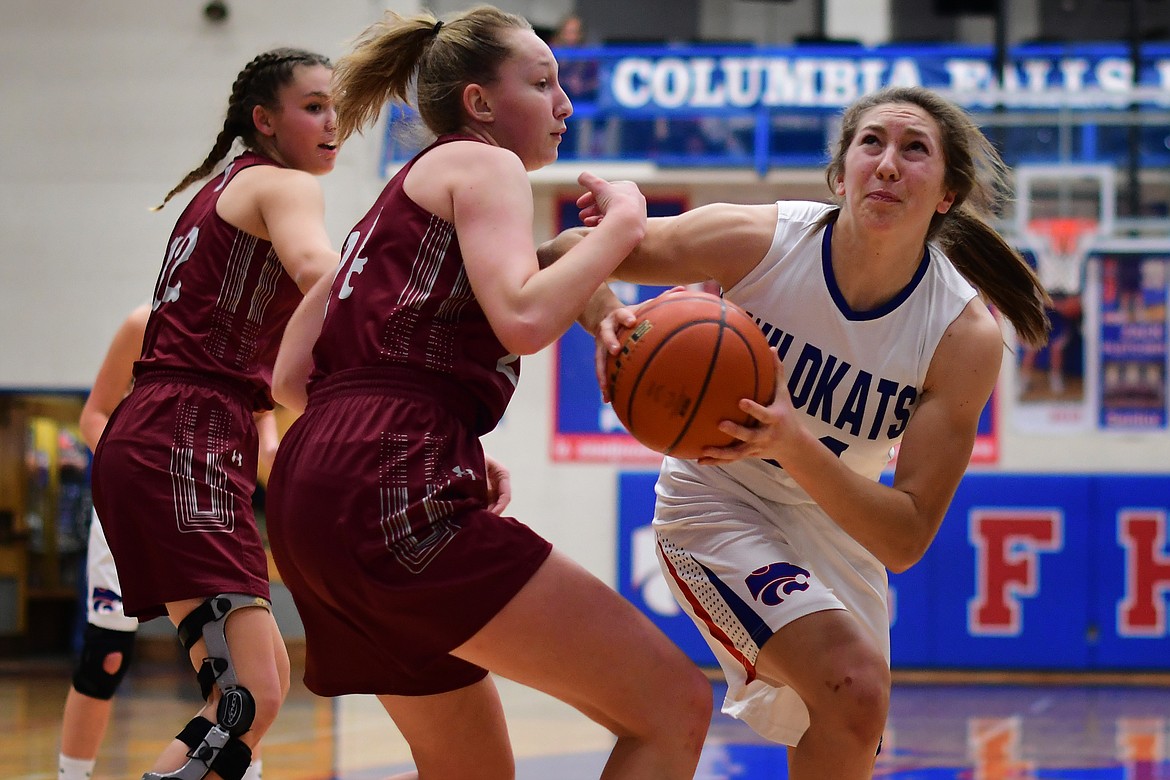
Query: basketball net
[{"x": 1061, "y": 244}]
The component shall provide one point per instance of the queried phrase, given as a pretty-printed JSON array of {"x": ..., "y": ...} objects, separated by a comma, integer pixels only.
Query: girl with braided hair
[
  {"x": 384, "y": 516},
  {"x": 176, "y": 466}
]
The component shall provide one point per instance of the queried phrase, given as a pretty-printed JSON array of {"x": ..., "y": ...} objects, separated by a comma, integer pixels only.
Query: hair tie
[{"x": 435, "y": 29}]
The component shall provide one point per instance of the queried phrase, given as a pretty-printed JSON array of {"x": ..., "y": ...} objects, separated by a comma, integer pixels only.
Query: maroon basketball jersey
[
  {"x": 222, "y": 298},
  {"x": 401, "y": 299}
]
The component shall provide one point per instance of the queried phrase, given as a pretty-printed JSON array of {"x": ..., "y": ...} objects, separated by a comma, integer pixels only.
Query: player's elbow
[
  {"x": 907, "y": 551},
  {"x": 289, "y": 391},
  {"x": 897, "y": 564},
  {"x": 312, "y": 267},
  {"x": 521, "y": 340},
  {"x": 289, "y": 398}
]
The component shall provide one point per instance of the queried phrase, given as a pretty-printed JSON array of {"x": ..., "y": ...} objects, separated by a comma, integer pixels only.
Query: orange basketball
[{"x": 683, "y": 368}]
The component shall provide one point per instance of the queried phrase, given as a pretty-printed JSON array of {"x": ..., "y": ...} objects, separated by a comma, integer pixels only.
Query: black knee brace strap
[
  {"x": 211, "y": 750},
  {"x": 89, "y": 675}
]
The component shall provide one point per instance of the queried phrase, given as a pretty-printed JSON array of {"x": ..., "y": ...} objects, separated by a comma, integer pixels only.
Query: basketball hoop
[
  {"x": 1063, "y": 233},
  {"x": 1060, "y": 245}
]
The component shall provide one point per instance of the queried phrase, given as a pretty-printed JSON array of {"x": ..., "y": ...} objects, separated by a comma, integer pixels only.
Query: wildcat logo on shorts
[
  {"x": 767, "y": 582},
  {"x": 106, "y": 600}
]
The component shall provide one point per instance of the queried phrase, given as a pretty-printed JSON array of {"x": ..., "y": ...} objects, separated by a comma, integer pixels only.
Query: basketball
[{"x": 683, "y": 368}]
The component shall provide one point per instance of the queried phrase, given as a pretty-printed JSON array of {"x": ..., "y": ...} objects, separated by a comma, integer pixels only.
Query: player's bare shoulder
[
  {"x": 969, "y": 356},
  {"x": 262, "y": 189},
  {"x": 469, "y": 160},
  {"x": 464, "y": 171}
]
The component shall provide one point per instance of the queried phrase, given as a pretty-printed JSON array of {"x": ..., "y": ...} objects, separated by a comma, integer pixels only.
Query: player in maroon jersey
[
  {"x": 175, "y": 470},
  {"x": 107, "y": 649},
  {"x": 382, "y": 513}
]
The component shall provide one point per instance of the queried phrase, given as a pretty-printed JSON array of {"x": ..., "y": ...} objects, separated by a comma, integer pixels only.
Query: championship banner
[{"x": 1133, "y": 347}]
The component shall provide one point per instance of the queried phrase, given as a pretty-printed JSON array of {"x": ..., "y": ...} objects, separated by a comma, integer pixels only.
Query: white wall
[{"x": 106, "y": 106}]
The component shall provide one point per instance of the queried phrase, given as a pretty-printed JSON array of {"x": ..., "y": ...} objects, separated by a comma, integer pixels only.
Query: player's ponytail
[
  {"x": 997, "y": 270},
  {"x": 433, "y": 59}
]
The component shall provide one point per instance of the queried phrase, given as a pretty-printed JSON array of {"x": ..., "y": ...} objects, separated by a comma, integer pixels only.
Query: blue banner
[
  {"x": 1028, "y": 572},
  {"x": 689, "y": 79}
]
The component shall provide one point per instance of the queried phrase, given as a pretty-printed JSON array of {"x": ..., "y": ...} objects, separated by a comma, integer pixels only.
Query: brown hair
[
  {"x": 256, "y": 85},
  {"x": 978, "y": 177},
  {"x": 438, "y": 58}
]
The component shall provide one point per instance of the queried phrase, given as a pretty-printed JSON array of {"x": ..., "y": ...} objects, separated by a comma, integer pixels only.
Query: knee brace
[
  {"x": 89, "y": 675},
  {"x": 216, "y": 745}
]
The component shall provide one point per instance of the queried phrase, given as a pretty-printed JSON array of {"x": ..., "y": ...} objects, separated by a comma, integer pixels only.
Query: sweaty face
[
  {"x": 529, "y": 107},
  {"x": 304, "y": 129},
  {"x": 895, "y": 168}
]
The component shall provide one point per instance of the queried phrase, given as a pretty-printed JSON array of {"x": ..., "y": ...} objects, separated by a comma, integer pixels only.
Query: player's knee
[
  {"x": 268, "y": 696},
  {"x": 112, "y": 663},
  {"x": 105, "y": 658},
  {"x": 679, "y": 710},
  {"x": 271, "y": 690},
  {"x": 692, "y": 713},
  {"x": 245, "y": 702},
  {"x": 691, "y": 694},
  {"x": 857, "y": 699}
]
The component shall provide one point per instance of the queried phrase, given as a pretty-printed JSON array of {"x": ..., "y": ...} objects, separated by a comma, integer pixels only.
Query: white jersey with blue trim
[{"x": 855, "y": 375}]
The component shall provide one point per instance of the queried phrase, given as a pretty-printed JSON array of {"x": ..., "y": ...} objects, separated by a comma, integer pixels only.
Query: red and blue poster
[{"x": 1133, "y": 347}]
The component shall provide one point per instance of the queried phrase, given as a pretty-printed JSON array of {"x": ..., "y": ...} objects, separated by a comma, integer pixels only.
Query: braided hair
[{"x": 256, "y": 85}]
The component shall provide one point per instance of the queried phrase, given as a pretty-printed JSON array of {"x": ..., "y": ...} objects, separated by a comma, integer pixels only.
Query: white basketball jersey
[{"x": 856, "y": 375}]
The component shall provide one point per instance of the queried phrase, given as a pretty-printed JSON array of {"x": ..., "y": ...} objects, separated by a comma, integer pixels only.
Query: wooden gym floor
[{"x": 944, "y": 729}]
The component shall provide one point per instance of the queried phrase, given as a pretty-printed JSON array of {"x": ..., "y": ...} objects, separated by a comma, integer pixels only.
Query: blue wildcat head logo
[{"x": 768, "y": 582}]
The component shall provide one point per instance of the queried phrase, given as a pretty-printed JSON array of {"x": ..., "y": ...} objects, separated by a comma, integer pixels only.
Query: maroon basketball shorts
[
  {"x": 377, "y": 520},
  {"x": 173, "y": 478}
]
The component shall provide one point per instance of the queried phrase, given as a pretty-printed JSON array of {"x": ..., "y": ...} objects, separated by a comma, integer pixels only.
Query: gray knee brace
[
  {"x": 216, "y": 746},
  {"x": 89, "y": 675}
]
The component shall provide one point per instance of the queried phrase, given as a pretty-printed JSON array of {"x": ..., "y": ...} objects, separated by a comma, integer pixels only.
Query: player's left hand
[{"x": 772, "y": 427}]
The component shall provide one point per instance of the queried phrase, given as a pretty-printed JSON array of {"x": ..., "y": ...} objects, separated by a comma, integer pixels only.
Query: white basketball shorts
[
  {"x": 103, "y": 591},
  {"x": 743, "y": 567}
]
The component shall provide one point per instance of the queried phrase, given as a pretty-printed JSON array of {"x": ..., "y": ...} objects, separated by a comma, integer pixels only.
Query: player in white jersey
[{"x": 778, "y": 546}]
